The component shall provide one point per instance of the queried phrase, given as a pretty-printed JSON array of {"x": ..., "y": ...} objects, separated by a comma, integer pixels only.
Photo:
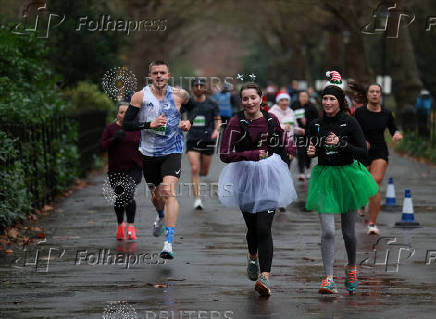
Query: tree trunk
[{"x": 406, "y": 83}]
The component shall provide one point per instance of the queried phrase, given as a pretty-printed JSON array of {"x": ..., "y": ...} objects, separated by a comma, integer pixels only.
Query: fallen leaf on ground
[
  {"x": 47, "y": 208},
  {"x": 41, "y": 235},
  {"x": 160, "y": 286},
  {"x": 13, "y": 233},
  {"x": 157, "y": 285}
]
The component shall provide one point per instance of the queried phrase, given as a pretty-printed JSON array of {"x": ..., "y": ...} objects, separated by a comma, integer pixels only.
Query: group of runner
[{"x": 258, "y": 145}]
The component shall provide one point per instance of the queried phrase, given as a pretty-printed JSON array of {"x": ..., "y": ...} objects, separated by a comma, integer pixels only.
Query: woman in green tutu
[{"x": 339, "y": 184}]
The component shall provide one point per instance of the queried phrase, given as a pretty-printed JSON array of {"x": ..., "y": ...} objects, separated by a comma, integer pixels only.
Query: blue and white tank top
[{"x": 160, "y": 141}]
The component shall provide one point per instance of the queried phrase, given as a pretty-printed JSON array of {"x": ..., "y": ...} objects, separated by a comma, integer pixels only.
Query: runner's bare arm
[{"x": 181, "y": 96}]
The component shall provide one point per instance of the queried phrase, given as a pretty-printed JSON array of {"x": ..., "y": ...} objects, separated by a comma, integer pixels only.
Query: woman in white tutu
[{"x": 257, "y": 180}]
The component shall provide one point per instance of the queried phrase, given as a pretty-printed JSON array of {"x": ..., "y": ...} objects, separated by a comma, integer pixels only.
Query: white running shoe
[
  {"x": 198, "y": 204},
  {"x": 308, "y": 175},
  {"x": 158, "y": 226},
  {"x": 167, "y": 251},
  {"x": 373, "y": 229},
  {"x": 302, "y": 177}
]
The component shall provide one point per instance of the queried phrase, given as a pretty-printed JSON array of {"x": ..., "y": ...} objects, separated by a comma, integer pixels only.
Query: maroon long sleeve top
[
  {"x": 232, "y": 151},
  {"x": 123, "y": 153}
]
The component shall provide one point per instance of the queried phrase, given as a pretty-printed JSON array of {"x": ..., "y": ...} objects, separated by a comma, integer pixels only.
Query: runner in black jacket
[{"x": 339, "y": 184}]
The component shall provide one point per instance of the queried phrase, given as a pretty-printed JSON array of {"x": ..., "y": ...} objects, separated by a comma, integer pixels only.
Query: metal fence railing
[{"x": 38, "y": 146}]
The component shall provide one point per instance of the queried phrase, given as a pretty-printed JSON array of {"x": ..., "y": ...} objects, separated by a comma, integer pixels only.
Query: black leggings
[
  {"x": 126, "y": 202},
  {"x": 303, "y": 160},
  {"x": 130, "y": 212},
  {"x": 259, "y": 238}
]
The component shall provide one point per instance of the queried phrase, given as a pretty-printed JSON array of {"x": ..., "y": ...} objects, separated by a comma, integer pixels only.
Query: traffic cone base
[{"x": 407, "y": 224}]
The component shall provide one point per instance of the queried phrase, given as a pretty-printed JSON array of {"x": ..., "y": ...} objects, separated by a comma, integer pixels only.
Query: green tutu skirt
[{"x": 340, "y": 189}]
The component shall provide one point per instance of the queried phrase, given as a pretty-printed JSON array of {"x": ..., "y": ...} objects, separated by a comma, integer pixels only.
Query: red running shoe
[
  {"x": 121, "y": 232},
  {"x": 131, "y": 233}
]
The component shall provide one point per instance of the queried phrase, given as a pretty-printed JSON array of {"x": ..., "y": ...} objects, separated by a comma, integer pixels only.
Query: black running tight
[
  {"x": 130, "y": 212},
  {"x": 123, "y": 183},
  {"x": 259, "y": 238}
]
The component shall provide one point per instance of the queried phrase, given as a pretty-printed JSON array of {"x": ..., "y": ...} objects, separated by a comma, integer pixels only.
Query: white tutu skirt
[{"x": 256, "y": 186}]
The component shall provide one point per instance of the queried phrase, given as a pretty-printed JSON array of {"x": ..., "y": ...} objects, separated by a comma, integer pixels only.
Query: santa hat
[
  {"x": 283, "y": 95},
  {"x": 335, "y": 87},
  {"x": 334, "y": 78}
]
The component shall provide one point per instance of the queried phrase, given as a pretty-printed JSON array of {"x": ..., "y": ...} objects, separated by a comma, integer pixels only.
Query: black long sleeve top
[
  {"x": 351, "y": 144},
  {"x": 374, "y": 125}
]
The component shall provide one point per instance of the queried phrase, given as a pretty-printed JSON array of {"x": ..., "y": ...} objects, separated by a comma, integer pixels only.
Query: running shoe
[
  {"x": 263, "y": 286},
  {"x": 308, "y": 175},
  {"x": 198, "y": 204},
  {"x": 328, "y": 286},
  {"x": 252, "y": 268},
  {"x": 131, "y": 233},
  {"x": 302, "y": 177},
  {"x": 167, "y": 251},
  {"x": 373, "y": 229},
  {"x": 158, "y": 226},
  {"x": 121, "y": 232},
  {"x": 351, "y": 281}
]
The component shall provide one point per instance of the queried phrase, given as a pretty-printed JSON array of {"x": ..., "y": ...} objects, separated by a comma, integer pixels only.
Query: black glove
[{"x": 119, "y": 135}]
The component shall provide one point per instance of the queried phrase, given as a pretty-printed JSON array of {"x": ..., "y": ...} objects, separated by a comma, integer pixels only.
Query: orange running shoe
[
  {"x": 328, "y": 286},
  {"x": 121, "y": 232}
]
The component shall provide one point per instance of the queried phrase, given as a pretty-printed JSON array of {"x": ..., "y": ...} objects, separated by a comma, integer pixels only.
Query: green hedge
[
  {"x": 15, "y": 201},
  {"x": 30, "y": 98},
  {"x": 87, "y": 97},
  {"x": 417, "y": 146}
]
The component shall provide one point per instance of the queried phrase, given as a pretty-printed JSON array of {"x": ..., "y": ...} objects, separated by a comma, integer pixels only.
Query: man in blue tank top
[{"x": 156, "y": 111}]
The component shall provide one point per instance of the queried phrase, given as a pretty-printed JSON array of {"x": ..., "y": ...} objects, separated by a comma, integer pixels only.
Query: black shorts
[
  {"x": 203, "y": 147},
  {"x": 376, "y": 153},
  {"x": 156, "y": 168}
]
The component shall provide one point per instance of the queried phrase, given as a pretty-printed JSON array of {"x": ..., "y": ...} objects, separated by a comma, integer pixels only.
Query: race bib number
[
  {"x": 299, "y": 113},
  {"x": 199, "y": 121},
  {"x": 288, "y": 121},
  {"x": 161, "y": 130}
]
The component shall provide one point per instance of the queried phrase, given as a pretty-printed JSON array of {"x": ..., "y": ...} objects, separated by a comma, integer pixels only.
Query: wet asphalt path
[{"x": 208, "y": 278}]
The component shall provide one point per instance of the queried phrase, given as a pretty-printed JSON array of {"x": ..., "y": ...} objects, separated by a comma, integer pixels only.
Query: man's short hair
[{"x": 156, "y": 62}]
